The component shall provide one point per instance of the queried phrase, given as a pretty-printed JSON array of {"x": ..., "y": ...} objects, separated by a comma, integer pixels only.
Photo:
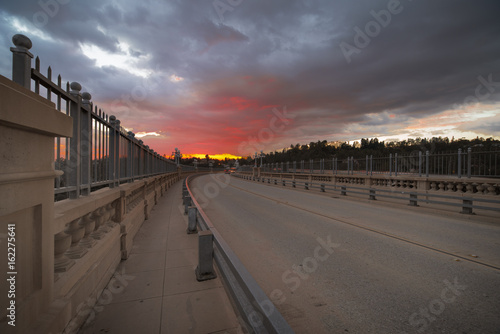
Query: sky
[{"x": 240, "y": 76}]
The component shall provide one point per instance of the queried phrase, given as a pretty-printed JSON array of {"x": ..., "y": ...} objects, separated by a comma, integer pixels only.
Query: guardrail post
[
  {"x": 276, "y": 181},
  {"x": 205, "y": 269},
  {"x": 284, "y": 183},
  {"x": 192, "y": 214},
  {"x": 467, "y": 206},
  {"x": 293, "y": 184},
  {"x": 413, "y": 199},
  {"x": 21, "y": 60},
  {"x": 187, "y": 203},
  {"x": 323, "y": 187},
  {"x": 343, "y": 191},
  {"x": 372, "y": 195},
  {"x": 306, "y": 186}
]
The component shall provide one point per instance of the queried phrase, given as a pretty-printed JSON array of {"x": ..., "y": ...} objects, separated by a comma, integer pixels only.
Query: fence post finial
[
  {"x": 75, "y": 88},
  {"x": 21, "y": 60},
  {"x": 86, "y": 97}
]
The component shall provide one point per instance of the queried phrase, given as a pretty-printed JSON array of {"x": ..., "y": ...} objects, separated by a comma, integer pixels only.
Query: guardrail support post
[
  {"x": 467, "y": 207},
  {"x": 284, "y": 183},
  {"x": 322, "y": 188},
  {"x": 343, "y": 191},
  {"x": 187, "y": 203},
  {"x": 293, "y": 184},
  {"x": 306, "y": 186},
  {"x": 372, "y": 194},
  {"x": 192, "y": 213},
  {"x": 413, "y": 200},
  {"x": 205, "y": 269}
]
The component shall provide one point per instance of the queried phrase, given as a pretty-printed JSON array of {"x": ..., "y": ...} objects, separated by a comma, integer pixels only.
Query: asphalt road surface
[{"x": 338, "y": 265}]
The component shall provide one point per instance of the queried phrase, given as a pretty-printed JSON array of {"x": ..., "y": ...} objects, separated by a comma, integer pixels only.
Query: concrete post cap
[{"x": 22, "y": 42}]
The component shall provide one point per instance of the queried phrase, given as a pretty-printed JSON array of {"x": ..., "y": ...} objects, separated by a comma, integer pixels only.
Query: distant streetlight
[{"x": 177, "y": 154}]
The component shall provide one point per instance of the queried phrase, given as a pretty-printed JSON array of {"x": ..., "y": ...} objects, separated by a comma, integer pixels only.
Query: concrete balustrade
[
  {"x": 446, "y": 184},
  {"x": 67, "y": 251}
]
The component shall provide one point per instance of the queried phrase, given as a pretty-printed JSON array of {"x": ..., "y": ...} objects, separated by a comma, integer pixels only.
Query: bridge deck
[{"x": 155, "y": 290}]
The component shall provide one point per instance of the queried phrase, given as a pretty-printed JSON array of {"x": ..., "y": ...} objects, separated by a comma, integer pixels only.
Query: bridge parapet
[
  {"x": 61, "y": 255},
  {"x": 478, "y": 186}
]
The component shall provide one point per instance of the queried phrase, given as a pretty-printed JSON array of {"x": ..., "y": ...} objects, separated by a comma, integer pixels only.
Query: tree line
[{"x": 377, "y": 148}]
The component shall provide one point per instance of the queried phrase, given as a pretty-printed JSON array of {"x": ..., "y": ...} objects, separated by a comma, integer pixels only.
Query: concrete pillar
[
  {"x": 187, "y": 203},
  {"x": 21, "y": 60},
  {"x": 192, "y": 213},
  {"x": 205, "y": 270},
  {"x": 28, "y": 126}
]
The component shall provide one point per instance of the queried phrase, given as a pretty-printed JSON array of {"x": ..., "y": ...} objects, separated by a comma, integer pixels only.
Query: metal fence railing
[
  {"x": 460, "y": 164},
  {"x": 101, "y": 152}
]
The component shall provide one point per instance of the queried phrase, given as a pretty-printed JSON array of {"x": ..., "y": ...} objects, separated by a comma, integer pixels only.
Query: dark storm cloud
[{"x": 412, "y": 59}]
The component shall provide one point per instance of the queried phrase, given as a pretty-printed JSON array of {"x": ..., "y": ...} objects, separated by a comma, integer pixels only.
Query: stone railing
[
  {"x": 58, "y": 256},
  {"x": 450, "y": 185},
  {"x": 91, "y": 236}
]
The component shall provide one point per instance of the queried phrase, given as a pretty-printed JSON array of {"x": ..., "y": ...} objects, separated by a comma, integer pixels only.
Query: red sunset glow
[{"x": 269, "y": 75}]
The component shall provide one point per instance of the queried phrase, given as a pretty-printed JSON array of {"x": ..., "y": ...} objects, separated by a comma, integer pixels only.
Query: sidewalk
[{"x": 155, "y": 290}]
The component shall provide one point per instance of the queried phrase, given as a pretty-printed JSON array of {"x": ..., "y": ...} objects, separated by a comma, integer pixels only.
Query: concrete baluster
[
  {"x": 77, "y": 232},
  {"x": 62, "y": 242},
  {"x": 97, "y": 217},
  {"x": 111, "y": 210},
  {"x": 88, "y": 224}
]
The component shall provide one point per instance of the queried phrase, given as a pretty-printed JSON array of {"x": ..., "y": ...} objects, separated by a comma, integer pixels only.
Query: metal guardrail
[
  {"x": 255, "y": 308},
  {"x": 467, "y": 203}
]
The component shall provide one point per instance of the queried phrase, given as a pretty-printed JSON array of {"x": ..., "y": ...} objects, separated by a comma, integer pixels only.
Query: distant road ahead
[{"x": 334, "y": 265}]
